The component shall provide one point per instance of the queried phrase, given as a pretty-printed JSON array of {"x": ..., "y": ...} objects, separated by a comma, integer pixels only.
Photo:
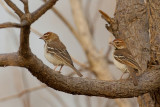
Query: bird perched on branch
[
  {"x": 55, "y": 52},
  {"x": 124, "y": 59}
]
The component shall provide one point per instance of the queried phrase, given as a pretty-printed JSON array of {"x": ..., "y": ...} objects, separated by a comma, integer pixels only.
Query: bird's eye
[
  {"x": 117, "y": 42},
  {"x": 45, "y": 37}
]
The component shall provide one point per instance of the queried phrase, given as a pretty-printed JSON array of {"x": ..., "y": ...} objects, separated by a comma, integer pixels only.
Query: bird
[
  {"x": 56, "y": 53},
  {"x": 124, "y": 60}
]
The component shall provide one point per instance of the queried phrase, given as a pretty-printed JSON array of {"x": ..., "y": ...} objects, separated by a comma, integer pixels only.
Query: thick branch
[
  {"x": 154, "y": 30},
  {"x": 149, "y": 81},
  {"x": 131, "y": 24},
  {"x": 154, "y": 25},
  {"x": 24, "y": 48},
  {"x": 14, "y": 7},
  {"x": 10, "y": 24},
  {"x": 39, "y": 12},
  {"x": 11, "y": 59}
]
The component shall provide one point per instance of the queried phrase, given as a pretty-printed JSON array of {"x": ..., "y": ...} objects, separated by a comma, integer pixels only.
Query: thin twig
[
  {"x": 64, "y": 20},
  {"x": 27, "y": 98},
  {"x": 86, "y": 41},
  {"x": 14, "y": 7},
  {"x": 36, "y": 32},
  {"x": 79, "y": 63},
  {"x": 40, "y": 11},
  {"x": 26, "y": 8},
  {"x": 22, "y": 93},
  {"x": 8, "y": 10},
  {"x": 10, "y": 24}
]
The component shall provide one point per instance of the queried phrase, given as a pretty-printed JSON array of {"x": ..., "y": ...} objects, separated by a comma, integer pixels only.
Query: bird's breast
[
  {"x": 119, "y": 65},
  {"x": 52, "y": 58}
]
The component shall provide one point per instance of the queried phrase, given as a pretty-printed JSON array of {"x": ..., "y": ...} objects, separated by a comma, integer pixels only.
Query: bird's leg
[
  {"x": 132, "y": 74},
  {"x": 123, "y": 74},
  {"x": 60, "y": 69},
  {"x": 55, "y": 67}
]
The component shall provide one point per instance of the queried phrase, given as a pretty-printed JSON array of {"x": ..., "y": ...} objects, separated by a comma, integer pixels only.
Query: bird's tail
[{"x": 78, "y": 73}]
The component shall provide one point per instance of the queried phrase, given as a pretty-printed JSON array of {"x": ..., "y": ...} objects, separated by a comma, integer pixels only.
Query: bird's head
[
  {"x": 118, "y": 44},
  {"x": 49, "y": 36}
]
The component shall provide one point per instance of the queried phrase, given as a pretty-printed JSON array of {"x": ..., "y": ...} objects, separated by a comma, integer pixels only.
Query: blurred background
[{"x": 20, "y": 89}]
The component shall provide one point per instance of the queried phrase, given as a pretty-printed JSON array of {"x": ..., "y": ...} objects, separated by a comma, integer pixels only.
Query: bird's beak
[{"x": 41, "y": 37}]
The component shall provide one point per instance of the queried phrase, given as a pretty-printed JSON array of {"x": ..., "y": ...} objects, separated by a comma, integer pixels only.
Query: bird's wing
[
  {"x": 125, "y": 57},
  {"x": 59, "y": 50}
]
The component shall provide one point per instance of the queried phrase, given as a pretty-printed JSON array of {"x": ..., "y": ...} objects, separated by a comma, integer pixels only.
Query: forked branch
[{"x": 148, "y": 81}]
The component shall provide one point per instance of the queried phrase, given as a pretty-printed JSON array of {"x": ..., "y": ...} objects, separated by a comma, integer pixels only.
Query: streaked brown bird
[
  {"x": 124, "y": 59},
  {"x": 55, "y": 52}
]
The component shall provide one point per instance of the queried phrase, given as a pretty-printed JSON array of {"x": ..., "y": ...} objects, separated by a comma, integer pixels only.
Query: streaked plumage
[
  {"x": 56, "y": 53},
  {"x": 124, "y": 59},
  {"x": 124, "y": 56}
]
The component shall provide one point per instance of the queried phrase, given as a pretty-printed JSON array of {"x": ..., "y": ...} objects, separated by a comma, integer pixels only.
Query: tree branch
[
  {"x": 39, "y": 12},
  {"x": 147, "y": 82},
  {"x": 65, "y": 21},
  {"x": 100, "y": 67},
  {"x": 22, "y": 93},
  {"x": 14, "y": 7},
  {"x": 131, "y": 24},
  {"x": 8, "y": 10},
  {"x": 26, "y": 8},
  {"x": 154, "y": 24},
  {"x": 24, "y": 48},
  {"x": 10, "y": 24},
  {"x": 10, "y": 59}
]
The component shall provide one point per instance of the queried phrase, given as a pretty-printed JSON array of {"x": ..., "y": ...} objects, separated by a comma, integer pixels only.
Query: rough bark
[
  {"x": 154, "y": 26},
  {"x": 132, "y": 19},
  {"x": 130, "y": 23},
  {"x": 96, "y": 60}
]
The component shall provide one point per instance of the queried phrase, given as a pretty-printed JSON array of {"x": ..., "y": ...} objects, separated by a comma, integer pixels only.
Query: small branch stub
[{"x": 111, "y": 26}]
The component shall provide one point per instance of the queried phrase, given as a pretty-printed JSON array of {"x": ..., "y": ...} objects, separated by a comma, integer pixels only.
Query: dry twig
[
  {"x": 22, "y": 93},
  {"x": 14, "y": 7},
  {"x": 10, "y": 24},
  {"x": 26, "y": 8},
  {"x": 110, "y": 89}
]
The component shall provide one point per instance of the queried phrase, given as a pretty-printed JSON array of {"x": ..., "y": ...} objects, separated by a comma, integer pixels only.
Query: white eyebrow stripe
[{"x": 121, "y": 56}]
